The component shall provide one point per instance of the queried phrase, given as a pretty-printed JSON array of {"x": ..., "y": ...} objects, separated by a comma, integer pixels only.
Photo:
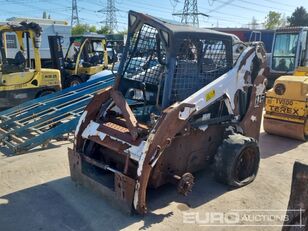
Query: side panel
[
  {"x": 50, "y": 77},
  {"x": 17, "y": 93},
  {"x": 15, "y": 97},
  {"x": 189, "y": 152},
  {"x": 16, "y": 79}
]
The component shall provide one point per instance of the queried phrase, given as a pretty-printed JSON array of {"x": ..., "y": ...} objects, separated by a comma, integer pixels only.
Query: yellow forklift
[
  {"x": 85, "y": 56},
  {"x": 19, "y": 79},
  {"x": 286, "y": 106}
]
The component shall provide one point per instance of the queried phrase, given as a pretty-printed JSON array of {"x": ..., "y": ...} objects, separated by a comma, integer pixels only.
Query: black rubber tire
[
  {"x": 73, "y": 81},
  {"x": 236, "y": 153}
]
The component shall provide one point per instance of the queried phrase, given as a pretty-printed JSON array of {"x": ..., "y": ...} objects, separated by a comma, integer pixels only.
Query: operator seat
[
  {"x": 17, "y": 65},
  {"x": 94, "y": 60},
  {"x": 19, "y": 59}
]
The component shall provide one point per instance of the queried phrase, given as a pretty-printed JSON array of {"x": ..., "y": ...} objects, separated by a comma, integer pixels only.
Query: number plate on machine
[{"x": 285, "y": 106}]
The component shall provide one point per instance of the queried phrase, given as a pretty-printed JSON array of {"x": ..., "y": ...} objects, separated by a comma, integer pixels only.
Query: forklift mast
[{"x": 56, "y": 52}]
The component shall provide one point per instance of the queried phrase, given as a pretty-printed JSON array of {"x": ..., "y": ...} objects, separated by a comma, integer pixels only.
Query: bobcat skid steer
[{"x": 178, "y": 105}]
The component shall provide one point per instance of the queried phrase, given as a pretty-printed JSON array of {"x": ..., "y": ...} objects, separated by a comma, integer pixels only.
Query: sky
[{"x": 222, "y": 13}]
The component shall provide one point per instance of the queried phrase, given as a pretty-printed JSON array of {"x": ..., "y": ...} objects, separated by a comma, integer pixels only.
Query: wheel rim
[
  {"x": 246, "y": 165},
  {"x": 74, "y": 83}
]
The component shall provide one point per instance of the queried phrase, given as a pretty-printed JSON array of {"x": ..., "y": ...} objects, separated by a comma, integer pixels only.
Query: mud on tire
[{"x": 237, "y": 160}]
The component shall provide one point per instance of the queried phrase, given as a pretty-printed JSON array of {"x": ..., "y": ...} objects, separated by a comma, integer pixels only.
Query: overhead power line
[
  {"x": 89, "y": 10},
  {"x": 110, "y": 15},
  {"x": 74, "y": 18},
  {"x": 190, "y": 13}
]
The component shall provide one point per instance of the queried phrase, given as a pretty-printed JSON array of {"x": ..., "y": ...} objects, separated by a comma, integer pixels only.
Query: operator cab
[
  {"x": 20, "y": 79},
  {"x": 289, "y": 49},
  {"x": 165, "y": 63},
  {"x": 85, "y": 51},
  {"x": 17, "y": 59}
]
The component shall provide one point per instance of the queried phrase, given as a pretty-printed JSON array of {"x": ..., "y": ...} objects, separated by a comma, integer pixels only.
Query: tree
[
  {"x": 104, "y": 30},
  {"x": 299, "y": 17},
  {"x": 92, "y": 29},
  {"x": 273, "y": 20},
  {"x": 83, "y": 28}
]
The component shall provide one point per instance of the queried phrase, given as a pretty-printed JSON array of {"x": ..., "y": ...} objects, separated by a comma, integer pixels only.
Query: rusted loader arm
[{"x": 130, "y": 119}]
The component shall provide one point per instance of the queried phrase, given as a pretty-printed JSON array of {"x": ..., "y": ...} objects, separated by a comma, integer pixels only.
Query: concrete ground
[{"x": 36, "y": 193}]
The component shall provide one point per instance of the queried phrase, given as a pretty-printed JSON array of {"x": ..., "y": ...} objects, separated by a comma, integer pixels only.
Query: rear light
[{"x": 280, "y": 89}]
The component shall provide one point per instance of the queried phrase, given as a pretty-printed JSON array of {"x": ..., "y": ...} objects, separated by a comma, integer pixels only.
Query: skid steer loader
[
  {"x": 19, "y": 80},
  {"x": 178, "y": 104}
]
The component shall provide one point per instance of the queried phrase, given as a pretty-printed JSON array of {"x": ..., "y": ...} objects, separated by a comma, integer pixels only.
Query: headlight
[{"x": 280, "y": 89}]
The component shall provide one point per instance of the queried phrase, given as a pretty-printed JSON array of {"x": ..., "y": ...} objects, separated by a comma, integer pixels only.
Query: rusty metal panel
[
  {"x": 252, "y": 120},
  {"x": 121, "y": 197},
  {"x": 110, "y": 143},
  {"x": 130, "y": 118},
  {"x": 298, "y": 202},
  {"x": 90, "y": 113},
  {"x": 118, "y": 131},
  {"x": 124, "y": 188},
  {"x": 189, "y": 152}
]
